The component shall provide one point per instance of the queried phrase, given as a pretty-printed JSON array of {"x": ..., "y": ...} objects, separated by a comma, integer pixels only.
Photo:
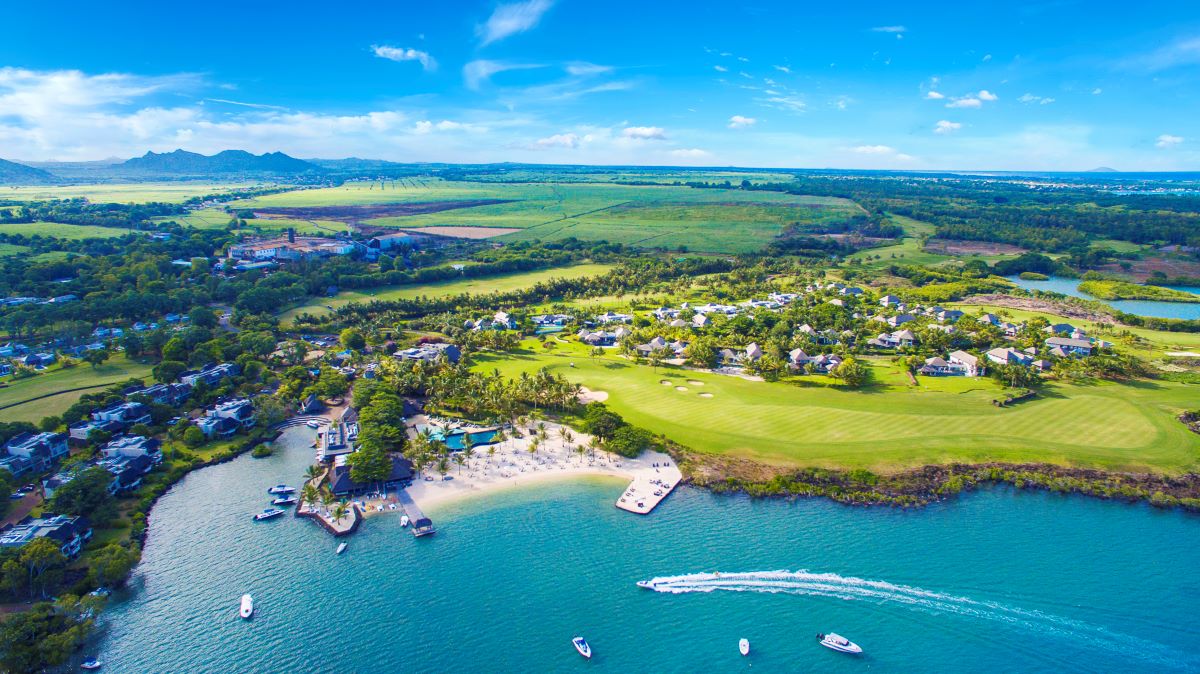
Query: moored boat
[
  {"x": 744, "y": 646},
  {"x": 281, "y": 489},
  {"x": 312, "y": 424},
  {"x": 247, "y": 608},
  {"x": 268, "y": 514},
  {"x": 404, "y": 520},
  {"x": 839, "y": 643},
  {"x": 284, "y": 500},
  {"x": 91, "y": 664},
  {"x": 582, "y": 646},
  {"x": 340, "y": 549}
]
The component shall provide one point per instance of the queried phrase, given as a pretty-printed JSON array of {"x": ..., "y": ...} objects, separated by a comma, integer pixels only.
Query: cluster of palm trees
[
  {"x": 476, "y": 394},
  {"x": 312, "y": 496}
]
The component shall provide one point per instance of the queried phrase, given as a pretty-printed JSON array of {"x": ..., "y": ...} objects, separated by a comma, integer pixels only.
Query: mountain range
[
  {"x": 182, "y": 162},
  {"x": 20, "y": 174}
]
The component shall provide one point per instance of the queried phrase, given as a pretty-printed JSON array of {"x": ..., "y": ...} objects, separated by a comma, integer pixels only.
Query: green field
[
  {"x": 710, "y": 220},
  {"x": 217, "y": 218},
  {"x": 7, "y": 249},
  {"x": 892, "y": 425},
  {"x": 61, "y": 230},
  {"x": 482, "y": 285},
  {"x": 123, "y": 193},
  {"x": 116, "y": 369}
]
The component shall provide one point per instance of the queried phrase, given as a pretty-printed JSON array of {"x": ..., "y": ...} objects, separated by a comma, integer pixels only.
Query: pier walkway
[
  {"x": 650, "y": 486},
  {"x": 421, "y": 525}
]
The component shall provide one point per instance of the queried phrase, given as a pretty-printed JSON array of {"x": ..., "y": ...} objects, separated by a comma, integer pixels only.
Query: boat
[
  {"x": 839, "y": 643},
  {"x": 281, "y": 489},
  {"x": 268, "y": 514},
  {"x": 91, "y": 664},
  {"x": 247, "y": 608},
  {"x": 744, "y": 646},
  {"x": 647, "y": 584},
  {"x": 312, "y": 424},
  {"x": 284, "y": 500},
  {"x": 341, "y": 549},
  {"x": 404, "y": 520},
  {"x": 582, "y": 646}
]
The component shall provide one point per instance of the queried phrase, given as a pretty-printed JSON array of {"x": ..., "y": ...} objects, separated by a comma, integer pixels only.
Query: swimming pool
[{"x": 455, "y": 439}]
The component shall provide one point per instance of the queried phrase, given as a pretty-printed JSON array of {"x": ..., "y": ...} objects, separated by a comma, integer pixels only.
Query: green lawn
[
  {"x": 909, "y": 250},
  {"x": 7, "y": 249},
  {"x": 480, "y": 285},
  {"x": 61, "y": 230},
  {"x": 892, "y": 425},
  {"x": 217, "y": 218},
  {"x": 710, "y": 220},
  {"x": 173, "y": 192},
  {"x": 118, "y": 368}
]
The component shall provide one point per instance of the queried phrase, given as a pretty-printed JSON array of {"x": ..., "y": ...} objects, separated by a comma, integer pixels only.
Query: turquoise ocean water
[
  {"x": 1070, "y": 286},
  {"x": 997, "y": 581}
]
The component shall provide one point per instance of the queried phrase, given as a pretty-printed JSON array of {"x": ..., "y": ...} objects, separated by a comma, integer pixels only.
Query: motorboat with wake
[
  {"x": 582, "y": 646},
  {"x": 247, "y": 608},
  {"x": 647, "y": 584},
  {"x": 341, "y": 548},
  {"x": 839, "y": 643},
  {"x": 281, "y": 489},
  {"x": 744, "y": 646},
  {"x": 268, "y": 514}
]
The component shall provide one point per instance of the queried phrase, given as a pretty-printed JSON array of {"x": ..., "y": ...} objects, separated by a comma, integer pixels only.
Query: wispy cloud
[
  {"x": 256, "y": 106},
  {"x": 405, "y": 54},
  {"x": 740, "y": 122},
  {"x": 1182, "y": 52},
  {"x": 721, "y": 69},
  {"x": 945, "y": 126},
  {"x": 690, "y": 153},
  {"x": 934, "y": 96},
  {"x": 1028, "y": 98},
  {"x": 783, "y": 69},
  {"x": 511, "y": 19},
  {"x": 477, "y": 73},
  {"x": 788, "y": 103},
  {"x": 425, "y": 126},
  {"x": 973, "y": 101},
  {"x": 583, "y": 68},
  {"x": 889, "y": 29},
  {"x": 561, "y": 140},
  {"x": 1167, "y": 141}
]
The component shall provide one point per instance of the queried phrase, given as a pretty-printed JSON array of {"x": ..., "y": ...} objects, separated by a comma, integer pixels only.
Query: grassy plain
[
  {"x": 118, "y": 368},
  {"x": 710, "y": 220},
  {"x": 217, "y": 218},
  {"x": 7, "y": 249},
  {"x": 480, "y": 285},
  {"x": 891, "y": 425},
  {"x": 61, "y": 230},
  {"x": 172, "y": 192}
]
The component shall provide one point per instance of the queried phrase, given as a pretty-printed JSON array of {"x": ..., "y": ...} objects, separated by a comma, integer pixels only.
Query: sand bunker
[
  {"x": 706, "y": 395},
  {"x": 587, "y": 395},
  {"x": 665, "y": 382},
  {"x": 680, "y": 388},
  {"x": 695, "y": 382}
]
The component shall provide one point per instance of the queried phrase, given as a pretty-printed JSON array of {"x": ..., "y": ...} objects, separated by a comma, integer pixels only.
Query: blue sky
[{"x": 1054, "y": 85}]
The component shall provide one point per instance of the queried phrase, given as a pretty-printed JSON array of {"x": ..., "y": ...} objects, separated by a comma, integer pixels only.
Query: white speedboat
[
  {"x": 247, "y": 607},
  {"x": 91, "y": 664},
  {"x": 839, "y": 643},
  {"x": 744, "y": 646},
  {"x": 281, "y": 489},
  {"x": 341, "y": 549},
  {"x": 582, "y": 646},
  {"x": 647, "y": 584},
  {"x": 268, "y": 514},
  {"x": 404, "y": 520},
  {"x": 312, "y": 424},
  {"x": 284, "y": 500}
]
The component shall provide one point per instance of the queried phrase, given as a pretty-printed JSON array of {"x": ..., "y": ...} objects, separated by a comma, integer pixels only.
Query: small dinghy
[
  {"x": 91, "y": 664},
  {"x": 404, "y": 520},
  {"x": 744, "y": 646},
  {"x": 341, "y": 548},
  {"x": 839, "y": 643},
  {"x": 247, "y": 608},
  {"x": 582, "y": 646}
]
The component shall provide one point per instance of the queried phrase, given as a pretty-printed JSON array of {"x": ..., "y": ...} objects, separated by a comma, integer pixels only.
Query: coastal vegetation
[{"x": 1121, "y": 290}]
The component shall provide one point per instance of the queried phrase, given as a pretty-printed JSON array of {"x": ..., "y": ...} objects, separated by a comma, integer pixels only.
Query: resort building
[
  {"x": 83, "y": 430},
  {"x": 70, "y": 533},
  {"x": 610, "y": 317},
  {"x": 336, "y": 441},
  {"x": 131, "y": 446},
  {"x": 126, "y": 413},
  {"x": 341, "y": 484},
  {"x": 1009, "y": 356},
  {"x": 217, "y": 427},
  {"x": 240, "y": 411},
  {"x": 290, "y": 247},
  {"x": 211, "y": 374},
  {"x": 970, "y": 364},
  {"x": 39, "y": 450},
  {"x": 895, "y": 340},
  {"x": 1067, "y": 346},
  {"x": 430, "y": 353}
]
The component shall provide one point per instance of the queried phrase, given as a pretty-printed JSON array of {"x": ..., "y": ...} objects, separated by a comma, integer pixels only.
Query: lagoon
[
  {"x": 1070, "y": 286},
  {"x": 1000, "y": 580}
]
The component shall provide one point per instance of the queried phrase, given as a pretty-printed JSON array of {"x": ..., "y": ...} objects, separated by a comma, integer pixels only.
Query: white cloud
[
  {"x": 1183, "y": 52},
  {"x": 945, "y": 126},
  {"x": 477, "y": 73},
  {"x": 985, "y": 95},
  {"x": 788, "y": 103},
  {"x": 1097, "y": 91},
  {"x": 644, "y": 132},
  {"x": 583, "y": 69},
  {"x": 934, "y": 96},
  {"x": 783, "y": 69},
  {"x": 889, "y": 29},
  {"x": 1167, "y": 141},
  {"x": 740, "y": 122},
  {"x": 405, "y": 54},
  {"x": 425, "y": 126},
  {"x": 873, "y": 149},
  {"x": 965, "y": 102},
  {"x": 566, "y": 140},
  {"x": 690, "y": 153},
  {"x": 1030, "y": 98},
  {"x": 511, "y": 19},
  {"x": 721, "y": 69},
  {"x": 987, "y": 57}
]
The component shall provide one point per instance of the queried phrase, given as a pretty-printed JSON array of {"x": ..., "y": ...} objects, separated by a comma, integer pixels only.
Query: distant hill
[
  {"x": 1104, "y": 169},
  {"x": 181, "y": 162},
  {"x": 12, "y": 173}
]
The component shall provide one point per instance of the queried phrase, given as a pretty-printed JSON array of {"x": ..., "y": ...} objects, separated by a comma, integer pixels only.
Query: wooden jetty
[{"x": 421, "y": 525}]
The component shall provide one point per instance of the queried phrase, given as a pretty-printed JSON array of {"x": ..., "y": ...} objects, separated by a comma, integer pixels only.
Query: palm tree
[
  {"x": 313, "y": 472},
  {"x": 593, "y": 445},
  {"x": 340, "y": 512},
  {"x": 459, "y": 458},
  {"x": 309, "y": 495},
  {"x": 327, "y": 500}
]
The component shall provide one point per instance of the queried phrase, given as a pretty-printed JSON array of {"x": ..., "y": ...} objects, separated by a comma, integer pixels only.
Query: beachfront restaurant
[{"x": 342, "y": 485}]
